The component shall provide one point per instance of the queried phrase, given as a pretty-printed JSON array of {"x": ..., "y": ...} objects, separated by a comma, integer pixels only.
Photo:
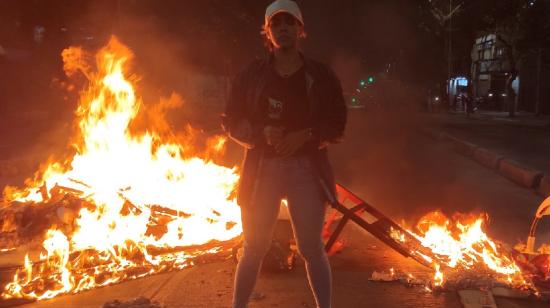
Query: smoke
[
  {"x": 186, "y": 52},
  {"x": 404, "y": 174},
  {"x": 169, "y": 79}
]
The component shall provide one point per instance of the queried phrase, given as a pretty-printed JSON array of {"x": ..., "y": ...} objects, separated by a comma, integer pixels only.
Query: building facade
[{"x": 490, "y": 71}]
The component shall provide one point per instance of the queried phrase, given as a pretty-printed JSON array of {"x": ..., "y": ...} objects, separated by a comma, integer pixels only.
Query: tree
[
  {"x": 454, "y": 25},
  {"x": 523, "y": 28},
  {"x": 535, "y": 39}
]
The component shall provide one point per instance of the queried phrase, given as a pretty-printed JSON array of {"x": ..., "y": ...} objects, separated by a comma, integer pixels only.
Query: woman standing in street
[{"x": 284, "y": 110}]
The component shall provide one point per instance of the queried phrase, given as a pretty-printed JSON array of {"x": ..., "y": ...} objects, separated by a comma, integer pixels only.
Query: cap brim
[{"x": 268, "y": 19}]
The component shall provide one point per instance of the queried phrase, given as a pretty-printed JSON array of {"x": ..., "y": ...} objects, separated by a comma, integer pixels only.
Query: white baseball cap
[{"x": 283, "y": 6}]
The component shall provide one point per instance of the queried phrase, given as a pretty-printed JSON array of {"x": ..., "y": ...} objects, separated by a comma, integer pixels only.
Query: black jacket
[{"x": 327, "y": 112}]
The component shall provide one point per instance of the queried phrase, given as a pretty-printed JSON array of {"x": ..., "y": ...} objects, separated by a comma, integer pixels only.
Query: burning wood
[
  {"x": 458, "y": 250},
  {"x": 463, "y": 245},
  {"x": 464, "y": 258},
  {"x": 125, "y": 204}
]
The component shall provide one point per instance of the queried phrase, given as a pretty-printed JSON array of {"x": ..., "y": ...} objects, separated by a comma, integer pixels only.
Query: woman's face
[{"x": 284, "y": 31}]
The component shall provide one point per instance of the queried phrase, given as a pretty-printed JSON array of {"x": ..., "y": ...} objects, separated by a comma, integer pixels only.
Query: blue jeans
[{"x": 292, "y": 178}]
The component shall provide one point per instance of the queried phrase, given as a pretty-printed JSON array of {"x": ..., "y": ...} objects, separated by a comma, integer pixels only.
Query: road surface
[{"x": 388, "y": 163}]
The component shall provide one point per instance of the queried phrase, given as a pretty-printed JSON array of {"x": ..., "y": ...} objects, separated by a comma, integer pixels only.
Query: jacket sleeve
[
  {"x": 334, "y": 113},
  {"x": 234, "y": 119}
]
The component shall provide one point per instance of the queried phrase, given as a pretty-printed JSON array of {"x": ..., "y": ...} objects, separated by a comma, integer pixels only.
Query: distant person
[
  {"x": 468, "y": 103},
  {"x": 454, "y": 102},
  {"x": 284, "y": 110},
  {"x": 511, "y": 94}
]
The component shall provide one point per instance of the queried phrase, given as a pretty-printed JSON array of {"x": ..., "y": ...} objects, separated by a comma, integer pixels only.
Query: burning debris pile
[
  {"x": 124, "y": 204},
  {"x": 458, "y": 250},
  {"x": 464, "y": 257},
  {"x": 462, "y": 244}
]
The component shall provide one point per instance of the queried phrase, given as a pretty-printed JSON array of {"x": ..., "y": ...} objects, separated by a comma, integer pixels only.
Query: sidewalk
[
  {"x": 524, "y": 139},
  {"x": 522, "y": 118}
]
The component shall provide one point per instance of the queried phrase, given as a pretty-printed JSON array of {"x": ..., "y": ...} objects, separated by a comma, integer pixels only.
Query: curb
[
  {"x": 487, "y": 158},
  {"x": 520, "y": 174},
  {"x": 439, "y": 136},
  {"x": 516, "y": 172},
  {"x": 463, "y": 147}
]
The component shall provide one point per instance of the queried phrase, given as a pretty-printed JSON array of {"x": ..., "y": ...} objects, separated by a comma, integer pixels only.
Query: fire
[
  {"x": 462, "y": 244},
  {"x": 140, "y": 194},
  {"x": 438, "y": 276}
]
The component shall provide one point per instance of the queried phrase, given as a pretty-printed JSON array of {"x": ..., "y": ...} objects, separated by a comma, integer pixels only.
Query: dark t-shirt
[{"x": 285, "y": 103}]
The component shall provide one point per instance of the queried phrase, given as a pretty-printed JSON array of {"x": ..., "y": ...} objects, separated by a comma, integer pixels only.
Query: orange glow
[
  {"x": 132, "y": 183},
  {"x": 462, "y": 244},
  {"x": 438, "y": 276}
]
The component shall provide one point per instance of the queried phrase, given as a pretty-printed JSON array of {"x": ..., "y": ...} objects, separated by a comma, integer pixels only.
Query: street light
[
  {"x": 364, "y": 82},
  {"x": 450, "y": 51}
]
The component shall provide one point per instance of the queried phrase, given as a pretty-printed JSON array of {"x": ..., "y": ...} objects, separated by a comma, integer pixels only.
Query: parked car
[{"x": 492, "y": 100}]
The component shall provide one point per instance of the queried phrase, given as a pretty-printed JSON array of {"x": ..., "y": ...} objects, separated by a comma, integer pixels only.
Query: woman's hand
[{"x": 292, "y": 142}]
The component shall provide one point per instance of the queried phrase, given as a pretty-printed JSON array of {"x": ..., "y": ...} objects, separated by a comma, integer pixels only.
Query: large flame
[
  {"x": 462, "y": 245},
  {"x": 129, "y": 183}
]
